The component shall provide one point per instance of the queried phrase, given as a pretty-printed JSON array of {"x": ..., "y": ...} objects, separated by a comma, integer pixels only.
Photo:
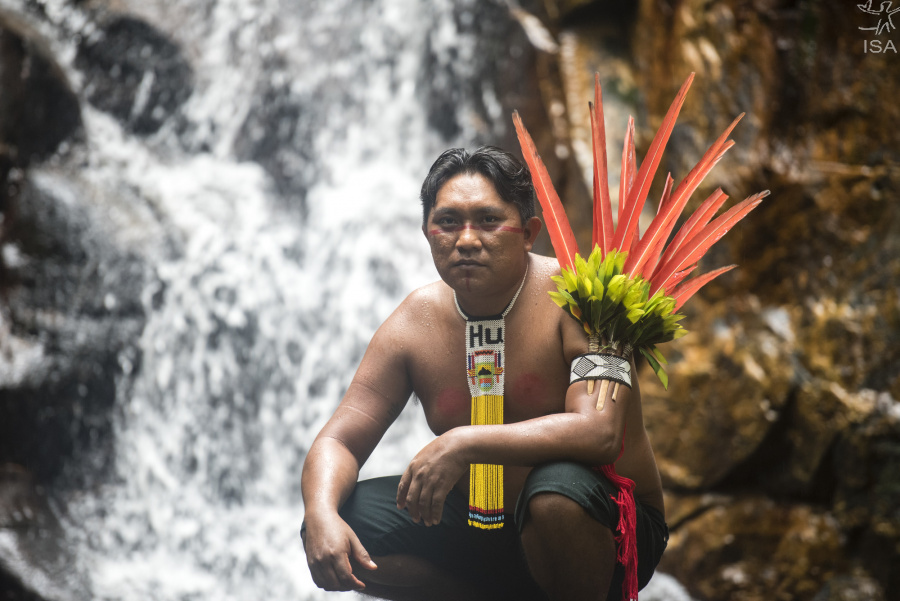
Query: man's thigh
[
  {"x": 487, "y": 559},
  {"x": 594, "y": 493}
]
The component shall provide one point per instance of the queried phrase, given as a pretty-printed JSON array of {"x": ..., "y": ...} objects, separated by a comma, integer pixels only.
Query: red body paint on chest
[
  {"x": 454, "y": 402},
  {"x": 529, "y": 391}
]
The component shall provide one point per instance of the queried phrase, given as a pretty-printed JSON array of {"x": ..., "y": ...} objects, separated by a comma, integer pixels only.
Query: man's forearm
[
  {"x": 561, "y": 436},
  {"x": 329, "y": 475}
]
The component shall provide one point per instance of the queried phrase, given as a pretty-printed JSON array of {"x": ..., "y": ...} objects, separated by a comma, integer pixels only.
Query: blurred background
[{"x": 208, "y": 206}]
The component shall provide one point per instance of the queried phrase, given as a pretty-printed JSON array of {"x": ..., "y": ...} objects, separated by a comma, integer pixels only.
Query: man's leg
[
  {"x": 418, "y": 562},
  {"x": 570, "y": 554},
  {"x": 411, "y": 578}
]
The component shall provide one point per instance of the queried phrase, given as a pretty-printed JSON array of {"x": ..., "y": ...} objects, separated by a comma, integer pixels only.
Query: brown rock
[
  {"x": 788, "y": 385},
  {"x": 856, "y": 587},
  {"x": 728, "y": 386},
  {"x": 753, "y": 548}
]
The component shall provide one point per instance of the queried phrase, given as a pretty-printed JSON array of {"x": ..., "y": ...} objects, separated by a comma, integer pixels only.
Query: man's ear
[{"x": 532, "y": 229}]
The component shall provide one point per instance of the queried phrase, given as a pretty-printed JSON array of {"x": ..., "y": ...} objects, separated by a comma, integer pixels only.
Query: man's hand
[
  {"x": 429, "y": 477},
  {"x": 332, "y": 548}
]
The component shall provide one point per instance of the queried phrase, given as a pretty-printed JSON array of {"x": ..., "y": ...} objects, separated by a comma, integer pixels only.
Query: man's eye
[
  {"x": 491, "y": 219},
  {"x": 446, "y": 222}
]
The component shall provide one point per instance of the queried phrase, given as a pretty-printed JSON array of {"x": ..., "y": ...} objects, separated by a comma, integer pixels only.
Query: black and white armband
[{"x": 600, "y": 366}]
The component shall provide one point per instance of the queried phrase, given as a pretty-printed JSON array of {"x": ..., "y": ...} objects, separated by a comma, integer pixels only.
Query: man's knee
[
  {"x": 566, "y": 548},
  {"x": 553, "y": 510}
]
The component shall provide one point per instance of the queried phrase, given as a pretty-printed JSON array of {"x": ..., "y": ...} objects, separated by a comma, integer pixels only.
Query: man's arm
[
  {"x": 581, "y": 434},
  {"x": 373, "y": 401}
]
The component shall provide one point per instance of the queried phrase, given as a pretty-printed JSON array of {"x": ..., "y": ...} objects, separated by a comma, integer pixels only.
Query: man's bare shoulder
[
  {"x": 430, "y": 297},
  {"x": 422, "y": 309},
  {"x": 544, "y": 267}
]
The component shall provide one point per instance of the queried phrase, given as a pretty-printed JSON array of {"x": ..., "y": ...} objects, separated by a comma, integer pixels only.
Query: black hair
[{"x": 509, "y": 175}]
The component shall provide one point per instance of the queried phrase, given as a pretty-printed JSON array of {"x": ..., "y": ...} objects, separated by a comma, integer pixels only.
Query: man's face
[{"x": 478, "y": 241}]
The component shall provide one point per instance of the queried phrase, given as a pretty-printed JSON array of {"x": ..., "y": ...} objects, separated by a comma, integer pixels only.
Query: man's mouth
[{"x": 468, "y": 263}]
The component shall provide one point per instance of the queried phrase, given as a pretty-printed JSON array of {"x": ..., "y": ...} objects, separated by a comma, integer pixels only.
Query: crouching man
[{"x": 504, "y": 503}]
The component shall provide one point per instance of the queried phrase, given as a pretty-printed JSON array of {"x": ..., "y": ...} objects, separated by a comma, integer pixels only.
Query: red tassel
[{"x": 626, "y": 537}]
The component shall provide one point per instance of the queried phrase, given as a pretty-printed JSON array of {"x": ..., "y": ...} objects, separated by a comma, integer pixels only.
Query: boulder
[
  {"x": 70, "y": 317},
  {"x": 751, "y": 547},
  {"x": 38, "y": 110},
  {"x": 133, "y": 71}
]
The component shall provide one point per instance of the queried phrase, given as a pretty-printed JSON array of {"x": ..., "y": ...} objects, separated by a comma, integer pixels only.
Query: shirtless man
[{"x": 407, "y": 538}]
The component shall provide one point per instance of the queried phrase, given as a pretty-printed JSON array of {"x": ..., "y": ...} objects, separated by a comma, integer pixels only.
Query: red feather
[
  {"x": 602, "y": 231},
  {"x": 626, "y": 177},
  {"x": 666, "y": 195},
  {"x": 686, "y": 290},
  {"x": 677, "y": 278},
  {"x": 692, "y": 226},
  {"x": 627, "y": 229},
  {"x": 561, "y": 235},
  {"x": 648, "y": 247},
  {"x": 664, "y": 222},
  {"x": 658, "y": 246},
  {"x": 691, "y": 252}
]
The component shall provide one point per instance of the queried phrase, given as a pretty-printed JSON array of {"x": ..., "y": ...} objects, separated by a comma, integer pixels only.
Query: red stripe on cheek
[{"x": 478, "y": 228}]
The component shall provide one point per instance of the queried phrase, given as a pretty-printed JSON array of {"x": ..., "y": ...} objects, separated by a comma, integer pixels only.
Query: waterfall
[{"x": 276, "y": 261}]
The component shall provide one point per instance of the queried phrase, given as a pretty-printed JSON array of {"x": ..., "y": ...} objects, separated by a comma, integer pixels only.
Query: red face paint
[{"x": 478, "y": 228}]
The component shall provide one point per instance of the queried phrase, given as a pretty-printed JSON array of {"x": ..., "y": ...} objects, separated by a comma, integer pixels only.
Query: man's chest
[{"x": 530, "y": 364}]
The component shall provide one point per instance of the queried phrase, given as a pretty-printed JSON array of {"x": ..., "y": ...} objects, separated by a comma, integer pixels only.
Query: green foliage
[{"x": 616, "y": 309}]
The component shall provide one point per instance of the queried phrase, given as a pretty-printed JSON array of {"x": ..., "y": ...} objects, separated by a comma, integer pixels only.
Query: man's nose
[{"x": 468, "y": 237}]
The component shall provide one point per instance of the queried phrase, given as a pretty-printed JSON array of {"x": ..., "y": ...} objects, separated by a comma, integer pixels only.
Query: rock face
[
  {"x": 783, "y": 403},
  {"x": 69, "y": 294}
]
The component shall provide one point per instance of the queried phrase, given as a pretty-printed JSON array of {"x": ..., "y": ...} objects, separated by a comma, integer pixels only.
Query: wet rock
[
  {"x": 38, "y": 109},
  {"x": 866, "y": 472},
  {"x": 753, "y": 548},
  {"x": 851, "y": 588},
  {"x": 30, "y": 543},
  {"x": 787, "y": 386},
  {"x": 71, "y": 312},
  {"x": 134, "y": 72},
  {"x": 729, "y": 385}
]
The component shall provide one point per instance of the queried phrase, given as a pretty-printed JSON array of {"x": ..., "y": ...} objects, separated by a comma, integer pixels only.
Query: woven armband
[{"x": 600, "y": 366}]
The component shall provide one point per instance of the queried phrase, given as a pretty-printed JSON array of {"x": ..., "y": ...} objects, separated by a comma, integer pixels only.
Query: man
[{"x": 407, "y": 537}]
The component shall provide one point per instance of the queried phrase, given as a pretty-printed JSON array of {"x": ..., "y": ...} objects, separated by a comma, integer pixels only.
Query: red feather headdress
[{"x": 636, "y": 311}]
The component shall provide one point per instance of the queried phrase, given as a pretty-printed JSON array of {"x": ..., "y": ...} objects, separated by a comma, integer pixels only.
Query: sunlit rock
[
  {"x": 754, "y": 548},
  {"x": 729, "y": 384}
]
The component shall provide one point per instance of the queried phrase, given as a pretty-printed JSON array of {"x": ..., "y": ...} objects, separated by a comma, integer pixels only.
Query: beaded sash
[{"x": 485, "y": 365}]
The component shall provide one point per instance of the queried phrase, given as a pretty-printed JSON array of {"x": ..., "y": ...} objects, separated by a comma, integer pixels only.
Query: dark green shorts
[{"x": 493, "y": 560}]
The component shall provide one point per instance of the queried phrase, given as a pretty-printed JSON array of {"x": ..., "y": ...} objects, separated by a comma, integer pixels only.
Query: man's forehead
[
  {"x": 468, "y": 181},
  {"x": 469, "y": 186}
]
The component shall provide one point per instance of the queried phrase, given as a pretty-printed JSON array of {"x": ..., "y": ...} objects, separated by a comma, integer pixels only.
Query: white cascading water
[{"x": 258, "y": 316}]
